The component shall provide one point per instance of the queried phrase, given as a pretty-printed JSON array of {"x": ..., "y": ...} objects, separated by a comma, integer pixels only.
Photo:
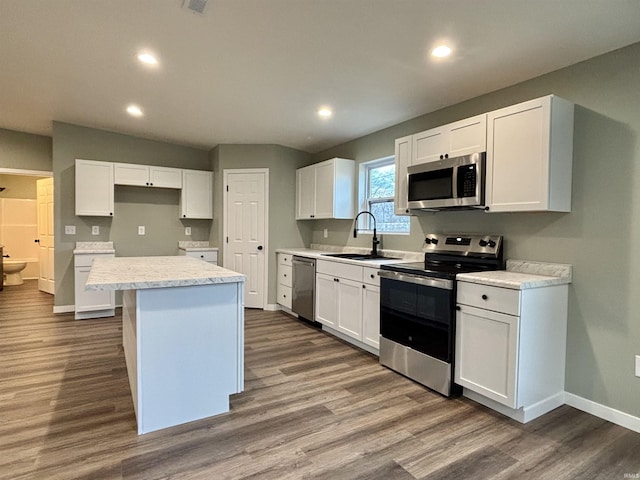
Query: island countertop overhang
[{"x": 135, "y": 273}]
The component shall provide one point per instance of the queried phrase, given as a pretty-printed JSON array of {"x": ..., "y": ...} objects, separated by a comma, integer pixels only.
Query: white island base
[{"x": 184, "y": 351}]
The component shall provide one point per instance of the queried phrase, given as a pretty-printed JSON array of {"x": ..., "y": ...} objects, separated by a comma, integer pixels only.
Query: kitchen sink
[{"x": 359, "y": 256}]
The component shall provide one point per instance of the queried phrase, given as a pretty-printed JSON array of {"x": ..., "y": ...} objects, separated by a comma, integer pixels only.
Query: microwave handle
[{"x": 454, "y": 180}]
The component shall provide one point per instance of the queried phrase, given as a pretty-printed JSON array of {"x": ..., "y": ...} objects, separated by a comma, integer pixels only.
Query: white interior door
[
  {"x": 246, "y": 223},
  {"x": 46, "y": 282}
]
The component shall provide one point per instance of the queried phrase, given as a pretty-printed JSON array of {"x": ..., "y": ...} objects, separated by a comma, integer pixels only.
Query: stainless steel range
[{"x": 417, "y": 306}]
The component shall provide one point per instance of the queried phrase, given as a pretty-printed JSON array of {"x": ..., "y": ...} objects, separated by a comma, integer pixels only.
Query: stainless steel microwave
[{"x": 450, "y": 183}]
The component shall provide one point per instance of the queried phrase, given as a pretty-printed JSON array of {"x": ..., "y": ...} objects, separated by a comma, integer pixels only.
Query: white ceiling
[{"x": 256, "y": 71}]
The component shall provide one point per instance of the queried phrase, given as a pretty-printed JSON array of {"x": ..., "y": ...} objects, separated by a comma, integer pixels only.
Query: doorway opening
[{"x": 26, "y": 226}]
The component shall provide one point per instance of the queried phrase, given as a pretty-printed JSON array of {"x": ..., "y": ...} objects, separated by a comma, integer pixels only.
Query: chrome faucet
[{"x": 375, "y": 242}]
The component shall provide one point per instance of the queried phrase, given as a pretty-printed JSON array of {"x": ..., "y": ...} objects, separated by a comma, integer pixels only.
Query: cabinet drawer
[
  {"x": 370, "y": 276},
  {"x": 284, "y": 259},
  {"x": 284, "y": 295},
  {"x": 488, "y": 297},
  {"x": 284, "y": 275},
  {"x": 337, "y": 269},
  {"x": 207, "y": 256},
  {"x": 85, "y": 260}
]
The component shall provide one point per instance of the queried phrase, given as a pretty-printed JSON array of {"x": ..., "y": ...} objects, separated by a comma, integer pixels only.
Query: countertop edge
[
  {"x": 322, "y": 254},
  {"x": 523, "y": 275}
]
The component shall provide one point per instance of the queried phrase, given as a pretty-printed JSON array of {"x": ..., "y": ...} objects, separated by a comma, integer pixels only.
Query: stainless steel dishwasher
[{"x": 304, "y": 286}]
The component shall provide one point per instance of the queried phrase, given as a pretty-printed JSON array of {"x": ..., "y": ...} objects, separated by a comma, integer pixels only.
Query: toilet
[{"x": 12, "y": 269}]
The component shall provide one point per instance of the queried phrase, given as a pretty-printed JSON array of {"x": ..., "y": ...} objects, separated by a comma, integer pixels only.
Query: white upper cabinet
[
  {"x": 94, "y": 188},
  {"x": 529, "y": 156},
  {"x": 196, "y": 199},
  {"x": 146, "y": 175},
  {"x": 326, "y": 190},
  {"x": 403, "y": 157},
  {"x": 453, "y": 140}
]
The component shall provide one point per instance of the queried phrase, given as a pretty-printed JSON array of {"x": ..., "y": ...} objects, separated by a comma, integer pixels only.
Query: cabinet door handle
[
  {"x": 364, "y": 286},
  {"x": 484, "y": 297},
  {"x": 285, "y": 275},
  {"x": 458, "y": 307},
  {"x": 37, "y": 240},
  {"x": 373, "y": 276}
]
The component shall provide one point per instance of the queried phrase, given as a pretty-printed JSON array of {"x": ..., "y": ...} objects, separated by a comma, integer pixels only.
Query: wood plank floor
[{"x": 314, "y": 407}]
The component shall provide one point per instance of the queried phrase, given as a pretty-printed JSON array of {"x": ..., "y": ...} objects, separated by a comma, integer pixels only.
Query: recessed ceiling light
[
  {"x": 134, "y": 111},
  {"x": 325, "y": 112},
  {"x": 441, "y": 51},
  {"x": 147, "y": 58}
]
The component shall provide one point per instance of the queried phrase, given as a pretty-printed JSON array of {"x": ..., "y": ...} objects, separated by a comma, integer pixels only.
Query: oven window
[
  {"x": 434, "y": 185},
  {"x": 417, "y": 316}
]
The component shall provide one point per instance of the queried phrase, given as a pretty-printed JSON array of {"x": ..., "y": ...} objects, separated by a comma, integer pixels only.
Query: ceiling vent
[{"x": 196, "y": 6}]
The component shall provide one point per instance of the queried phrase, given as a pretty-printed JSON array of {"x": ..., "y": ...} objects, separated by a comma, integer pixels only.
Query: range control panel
[{"x": 464, "y": 244}]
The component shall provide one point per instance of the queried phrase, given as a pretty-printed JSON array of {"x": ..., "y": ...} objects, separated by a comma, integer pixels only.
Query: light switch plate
[
  {"x": 141, "y": 230},
  {"x": 95, "y": 230},
  {"x": 187, "y": 230},
  {"x": 69, "y": 229},
  {"x": 637, "y": 365}
]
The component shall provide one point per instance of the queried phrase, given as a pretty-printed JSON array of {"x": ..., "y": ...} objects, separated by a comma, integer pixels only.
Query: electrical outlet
[
  {"x": 326, "y": 233},
  {"x": 187, "y": 230},
  {"x": 141, "y": 230},
  {"x": 69, "y": 229},
  {"x": 95, "y": 230},
  {"x": 637, "y": 365}
]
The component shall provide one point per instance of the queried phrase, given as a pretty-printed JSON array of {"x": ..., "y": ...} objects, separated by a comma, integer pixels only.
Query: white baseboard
[
  {"x": 272, "y": 307},
  {"x": 606, "y": 413},
  {"x": 522, "y": 415},
  {"x": 64, "y": 308}
]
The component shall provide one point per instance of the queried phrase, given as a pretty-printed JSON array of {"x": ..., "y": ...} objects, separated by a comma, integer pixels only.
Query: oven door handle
[{"x": 418, "y": 279}]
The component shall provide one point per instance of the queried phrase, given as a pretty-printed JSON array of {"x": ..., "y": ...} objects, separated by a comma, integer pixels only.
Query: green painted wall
[
  {"x": 599, "y": 237},
  {"x": 25, "y": 151},
  {"x": 282, "y": 163},
  {"x": 155, "y": 208}
]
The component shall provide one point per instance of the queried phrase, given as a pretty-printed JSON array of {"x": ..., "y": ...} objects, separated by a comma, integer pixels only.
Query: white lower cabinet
[
  {"x": 326, "y": 299},
  {"x": 510, "y": 347},
  {"x": 207, "y": 255},
  {"x": 91, "y": 303},
  {"x": 348, "y": 301},
  {"x": 285, "y": 274},
  {"x": 371, "y": 315}
]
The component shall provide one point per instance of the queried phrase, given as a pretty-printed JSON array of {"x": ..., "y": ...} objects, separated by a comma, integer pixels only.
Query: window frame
[{"x": 365, "y": 223}]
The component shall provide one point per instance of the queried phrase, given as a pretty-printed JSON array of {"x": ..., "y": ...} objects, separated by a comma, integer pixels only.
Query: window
[{"x": 378, "y": 182}]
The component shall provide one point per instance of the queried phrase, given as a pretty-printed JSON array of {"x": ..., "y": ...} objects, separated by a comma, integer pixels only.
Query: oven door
[{"x": 417, "y": 312}]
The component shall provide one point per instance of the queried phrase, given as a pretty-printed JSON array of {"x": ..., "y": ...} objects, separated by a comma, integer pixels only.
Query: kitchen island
[{"x": 182, "y": 333}]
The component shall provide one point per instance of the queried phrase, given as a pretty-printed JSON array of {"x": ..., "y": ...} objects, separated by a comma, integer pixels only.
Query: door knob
[{"x": 260, "y": 247}]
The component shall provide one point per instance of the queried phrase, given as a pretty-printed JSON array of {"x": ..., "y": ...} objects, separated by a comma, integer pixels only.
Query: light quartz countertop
[
  {"x": 92, "y": 248},
  {"x": 196, "y": 246},
  {"x": 522, "y": 275},
  {"x": 319, "y": 251},
  {"x": 134, "y": 273}
]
